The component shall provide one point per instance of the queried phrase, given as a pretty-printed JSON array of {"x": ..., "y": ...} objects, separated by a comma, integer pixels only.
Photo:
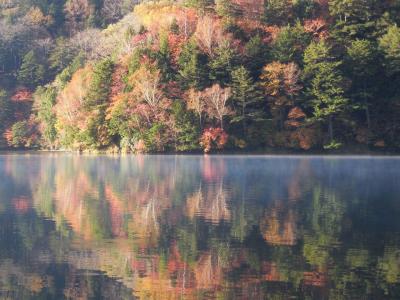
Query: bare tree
[
  {"x": 217, "y": 98},
  {"x": 196, "y": 102}
]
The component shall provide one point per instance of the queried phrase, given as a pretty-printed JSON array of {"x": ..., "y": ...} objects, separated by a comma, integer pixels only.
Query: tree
[
  {"x": 354, "y": 18},
  {"x": 389, "y": 45},
  {"x": 61, "y": 55},
  {"x": 146, "y": 82},
  {"x": 281, "y": 84},
  {"x": 45, "y": 98},
  {"x": 217, "y": 98},
  {"x": 208, "y": 34},
  {"x": 164, "y": 59},
  {"x": 196, "y": 102},
  {"x": 200, "y": 5},
  {"x": 192, "y": 67},
  {"x": 290, "y": 44},
  {"x": 255, "y": 55},
  {"x": 326, "y": 84},
  {"x": 187, "y": 132},
  {"x": 221, "y": 64},
  {"x": 5, "y": 110},
  {"x": 20, "y": 133},
  {"x": 245, "y": 97},
  {"x": 361, "y": 57},
  {"x": 31, "y": 72},
  {"x": 278, "y": 12}
]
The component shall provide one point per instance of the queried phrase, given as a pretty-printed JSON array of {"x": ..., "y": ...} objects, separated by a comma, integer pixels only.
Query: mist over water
[{"x": 199, "y": 227}]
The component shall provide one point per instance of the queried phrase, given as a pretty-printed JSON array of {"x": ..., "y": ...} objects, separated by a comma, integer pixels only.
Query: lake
[{"x": 199, "y": 227}]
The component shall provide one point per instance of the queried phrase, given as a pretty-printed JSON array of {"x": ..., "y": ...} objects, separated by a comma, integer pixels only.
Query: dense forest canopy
[{"x": 141, "y": 76}]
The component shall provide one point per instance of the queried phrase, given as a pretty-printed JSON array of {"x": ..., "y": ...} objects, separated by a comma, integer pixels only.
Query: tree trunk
[
  {"x": 367, "y": 115},
  {"x": 331, "y": 128},
  {"x": 243, "y": 121}
]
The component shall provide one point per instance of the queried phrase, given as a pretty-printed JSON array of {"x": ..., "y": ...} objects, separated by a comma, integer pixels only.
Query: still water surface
[{"x": 199, "y": 227}]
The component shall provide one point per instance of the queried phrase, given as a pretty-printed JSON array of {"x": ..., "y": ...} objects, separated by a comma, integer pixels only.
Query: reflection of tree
[
  {"x": 169, "y": 228},
  {"x": 209, "y": 203},
  {"x": 326, "y": 219},
  {"x": 279, "y": 226}
]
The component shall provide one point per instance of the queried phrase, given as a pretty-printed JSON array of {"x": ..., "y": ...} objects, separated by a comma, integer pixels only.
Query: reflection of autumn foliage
[
  {"x": 21, "y": 204},
  {"x": 208, "y": 272},
  {"x": 22, "y": 95},
  {"x": 210, "y": 204},
  {"x": 270, "y": 271},
  {"x": 33, "y": 282},
  {"x": 279, "y": 228},
  {"x": 318, "y": 279},
  {"x": 213, "y": 138},
  {"x": 69, "y": 195},
  {"x": 116, "y": 213}
]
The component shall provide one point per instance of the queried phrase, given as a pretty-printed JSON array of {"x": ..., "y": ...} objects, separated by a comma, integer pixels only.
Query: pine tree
[
  {"x": 389, "y": 45},
  {"x": 255, "y": 55},
  {"x": 31, "y": 73},
  {"x": 222, "y": 63},
  {"x": 325, "y": 84},
  {"x": 45, "y": 98},
  {"x": 245, "y": 96},
  {"x": 361, "y": 55},
  {"x": 5, "y": 109},
  {"x": 192, "y": 67},
  {"x": 290, "y": 44}
]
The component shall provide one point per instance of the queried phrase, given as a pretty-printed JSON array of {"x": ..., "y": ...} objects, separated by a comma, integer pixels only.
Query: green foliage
[
  {"x": 5, "y": 110},
  {"x": 31, "y": 73},
  {"x": 304, "y": 9},
  {"x": 222, "y": 63},
  {"x": 326, "y": 84},
  {"x": 66, "y": 74},
  {"x": 192, "y": 67},
  {"x": 255, "y": 55},
  {"x": 187, "y": 130},
  {"x": 62, "y": 55},
  {"x": 246, "y": 98},
  {"x": 277, "y": 12},
  {"x": 96, "y": 134},
  {"x": 290, "y": 44},
  {"x": 20, "y": 133},
  {"x": 45, "y": 98},
  {"x": 164, "y": 60},
  {"x": 389, "y": 45}
]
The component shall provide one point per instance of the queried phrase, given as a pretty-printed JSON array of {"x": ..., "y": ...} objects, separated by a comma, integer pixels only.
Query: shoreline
[{"x": 261, "y": 152}]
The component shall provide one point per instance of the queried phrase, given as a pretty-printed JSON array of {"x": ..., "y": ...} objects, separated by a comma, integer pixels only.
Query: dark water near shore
[{"x": 199, "y": 227}]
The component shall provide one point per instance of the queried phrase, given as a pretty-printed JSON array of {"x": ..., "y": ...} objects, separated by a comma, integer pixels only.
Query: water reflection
[{"x": 198, "y": 227}]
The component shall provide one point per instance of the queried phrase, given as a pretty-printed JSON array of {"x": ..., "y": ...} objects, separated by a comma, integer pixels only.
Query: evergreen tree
[
  {"x": 255, "y": 55},
  {"x": 221, "y": 64},
  {"x": 354, "y": 18},
  {"x": 361, "y": 55},
  {"x": 389, "y": 45},
  {"x": 325, "y": 84},
  {"x": 31, "y": 73},
  {"x": 245, "y": 97},
  {"x": 192, "y": 67},
  {"x": 290, "y": 44},
  {"x": 164, "y": 60},
  {"x": 96, "y": 134},
  {"x": 5, "y": 110},
  {"x": 45, "y": 98},
  {"x": 278, "y": 12}
]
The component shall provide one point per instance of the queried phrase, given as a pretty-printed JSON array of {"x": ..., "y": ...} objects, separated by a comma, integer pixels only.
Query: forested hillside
[{"x": 117, "y": 75}]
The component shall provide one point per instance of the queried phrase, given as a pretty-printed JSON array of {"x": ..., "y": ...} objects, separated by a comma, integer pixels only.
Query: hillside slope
[{"x": 199, "y": 74}]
